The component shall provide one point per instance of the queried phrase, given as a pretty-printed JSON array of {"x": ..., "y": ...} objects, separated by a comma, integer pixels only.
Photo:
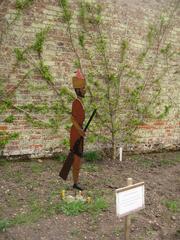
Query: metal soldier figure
[
  {"x": 77, "y": 118},
  {"x": 77, "y": 132}
]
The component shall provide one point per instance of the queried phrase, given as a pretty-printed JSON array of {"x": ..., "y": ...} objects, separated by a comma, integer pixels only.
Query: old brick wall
[{"x": 121, "y": 17}]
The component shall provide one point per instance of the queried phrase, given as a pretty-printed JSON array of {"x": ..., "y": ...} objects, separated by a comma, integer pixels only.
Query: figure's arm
[{"x": 79, "y": 129}]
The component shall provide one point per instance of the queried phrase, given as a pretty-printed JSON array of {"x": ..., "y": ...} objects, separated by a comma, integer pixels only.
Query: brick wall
[{"x": 121, "y": 17}]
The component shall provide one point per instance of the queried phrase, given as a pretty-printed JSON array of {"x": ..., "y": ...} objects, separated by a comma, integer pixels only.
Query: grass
[
  {"x": 60, "y": 158},
  {"x": 3, "y": 162},
  {"x": 37, "y": 167},
  {"x": 72, "y": 208},
  {"x": 97, "y": 206},
  {"x": 4, "y": 224},
  {"x": 152, "y": 160},
  {"x": 42, "y": 208},
  {"x": 23, "y": 218},
  {"x": 89, "y": 156},
  {"x": 172, "y": 205},
  {"x": 92, "y": 156},
  {"x": 177, "y": 234},
  {"x": 37, "y": 210},
  {"x": 144, "y": 162},
  {"x": 169, "y": 162},
  {"x": 90, "y": 167},
  {"x": 12, "y": 201},
  {"x": 77, "y": 207},
  {"x": 18, "y": 176}
]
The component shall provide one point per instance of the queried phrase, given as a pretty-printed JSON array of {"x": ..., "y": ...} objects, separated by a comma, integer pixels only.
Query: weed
[
  {"x": 21, "y": 4},
  {"x": 77, "y": 207},
  {"x": 36, "y": 167},
  {"x": 18, "y": 176},
  {"x": 4, "y": 224},
  {"x": 177, "y": 234},
  {"x": 144, "y": 162},
  {"x": 38, "y": 210},
  {"x": 71, "y": 208},
  {"x": 12, "y": 201},
  {"x": 169, "y": 162},
  {"x": 172, "y": 205},
  {"x": 161, "y": 161},
  {"x": 97, "y": 206},
  {"x": 60, "y": 158},
  {"x": 92, "y": 156},
  {"x": 90, "y": 167},
  {"x": 3, "y": 162}
]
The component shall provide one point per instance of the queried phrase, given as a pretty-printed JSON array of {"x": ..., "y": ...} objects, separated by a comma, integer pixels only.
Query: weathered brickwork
[{"x": 122, "y": 17}]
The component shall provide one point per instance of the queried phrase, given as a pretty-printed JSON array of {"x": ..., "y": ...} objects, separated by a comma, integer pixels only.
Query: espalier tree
[
  {"x": 30, "y": 59},
  {"x": 5, "y": 98},
  {"x": 126, "y": 90},
  {"x": 55, "y": 112}
]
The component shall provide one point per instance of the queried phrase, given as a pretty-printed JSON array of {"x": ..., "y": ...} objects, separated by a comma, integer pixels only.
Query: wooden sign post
[
  {"x": 128, "y": 217},
  {"x": 129, "y": 199}
]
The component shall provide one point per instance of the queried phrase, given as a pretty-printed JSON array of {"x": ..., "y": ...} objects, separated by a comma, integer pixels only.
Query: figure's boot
[{"x": 76, "y": 186}]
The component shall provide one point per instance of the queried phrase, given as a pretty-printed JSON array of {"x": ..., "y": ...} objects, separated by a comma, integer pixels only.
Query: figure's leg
[
  {"x": 76, "y": 168},
  {"x": 75, "y": 171}
]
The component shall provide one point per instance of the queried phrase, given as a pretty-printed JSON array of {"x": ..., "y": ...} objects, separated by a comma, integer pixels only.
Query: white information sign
[{"x": 130, "y": 199}]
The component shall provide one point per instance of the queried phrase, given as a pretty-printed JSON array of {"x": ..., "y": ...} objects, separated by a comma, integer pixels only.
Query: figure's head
[
  {"x": 80, "y": 92},
  {"x": 79, "y": 84}
]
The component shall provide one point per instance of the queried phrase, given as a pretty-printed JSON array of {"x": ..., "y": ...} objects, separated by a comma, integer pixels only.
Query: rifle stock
[
  {"x": 76, "y": 150},
  {"x": 67, "y": 166}
]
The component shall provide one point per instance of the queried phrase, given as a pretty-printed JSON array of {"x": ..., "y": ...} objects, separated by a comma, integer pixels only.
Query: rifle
[{"x": 77, "y": 149}]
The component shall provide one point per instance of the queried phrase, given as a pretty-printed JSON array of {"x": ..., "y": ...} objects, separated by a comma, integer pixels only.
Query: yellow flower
[{"x": 62, "y": 194}]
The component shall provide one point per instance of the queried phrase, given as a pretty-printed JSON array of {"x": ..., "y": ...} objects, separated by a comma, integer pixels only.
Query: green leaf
[
  {"x": 81, "y": 39},
  {"x": 77, "y": 63},
  {"x": 63, "y": 3},
  {"x": 21, "y": 4},
  {"x": 19, "y": 55},
  {"x": 9, "y": 119},
  {"x": 166, "y": 49},
  {"x": 45, "y": 71},
  {"x": 40, "y": 39}
]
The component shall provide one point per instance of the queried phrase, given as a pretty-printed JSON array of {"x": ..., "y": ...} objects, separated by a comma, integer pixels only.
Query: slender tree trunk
[{"x": 113, "y": 147}]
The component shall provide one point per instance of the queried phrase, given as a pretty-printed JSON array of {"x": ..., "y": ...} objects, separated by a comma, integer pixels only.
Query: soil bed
[{"x": 31, "y": 207}]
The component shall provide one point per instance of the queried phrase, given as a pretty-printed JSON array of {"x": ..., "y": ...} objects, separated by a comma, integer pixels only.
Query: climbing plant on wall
[
  {"x": 126, "y": 89},
  {"x": 31, "y": 57},
  {"x": 5, "y": 98}
]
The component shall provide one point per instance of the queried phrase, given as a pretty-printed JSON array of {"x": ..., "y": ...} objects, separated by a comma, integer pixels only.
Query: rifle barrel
[{"x": 87, "y": 125}]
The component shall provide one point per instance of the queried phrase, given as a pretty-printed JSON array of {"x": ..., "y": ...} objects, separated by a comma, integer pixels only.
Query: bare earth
[{"x": 30, "y": 186}]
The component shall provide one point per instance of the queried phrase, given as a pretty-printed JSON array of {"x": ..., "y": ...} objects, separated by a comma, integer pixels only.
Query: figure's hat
[
  {"x": 78, "y": 80},
  {"x": 79, "y": 74}
]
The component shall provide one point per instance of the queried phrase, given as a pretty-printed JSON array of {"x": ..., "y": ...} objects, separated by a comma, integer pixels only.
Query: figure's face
[
  {"x": 80, "y": 92},
  {"x": 83, "y": 91}
]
